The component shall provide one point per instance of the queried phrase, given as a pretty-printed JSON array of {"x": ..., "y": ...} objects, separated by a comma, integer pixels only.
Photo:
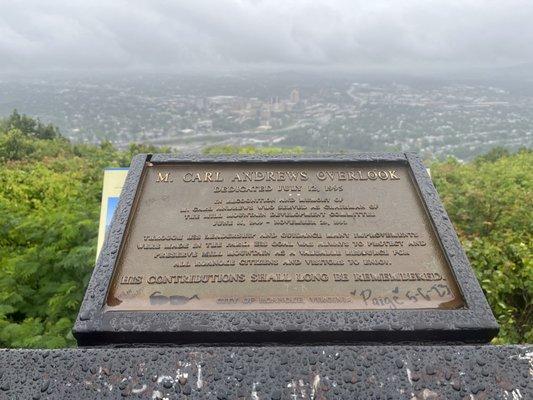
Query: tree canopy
[{"x": 490, "y": 203}]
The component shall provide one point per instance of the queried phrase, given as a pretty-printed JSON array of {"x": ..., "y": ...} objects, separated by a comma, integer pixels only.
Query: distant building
[
  {"x": 265, "y": 113},
  {"x": 295, "y": 96},
  {"x": 264, "y": 127},
  {"x": 205, "y": 124}
]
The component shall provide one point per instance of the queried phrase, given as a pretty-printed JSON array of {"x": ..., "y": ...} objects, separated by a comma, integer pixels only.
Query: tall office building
[{"x": 295, "y": 96}]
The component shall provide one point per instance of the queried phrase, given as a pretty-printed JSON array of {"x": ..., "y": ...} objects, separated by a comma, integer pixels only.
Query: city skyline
[{"x": 435, "y": 117}]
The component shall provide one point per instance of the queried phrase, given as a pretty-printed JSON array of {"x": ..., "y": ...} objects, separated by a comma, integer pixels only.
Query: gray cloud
[{"x": 156, "y": 34}]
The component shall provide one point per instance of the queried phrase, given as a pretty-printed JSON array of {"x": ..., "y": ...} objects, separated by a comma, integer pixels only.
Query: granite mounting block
[{"x": 342, "y": 248}]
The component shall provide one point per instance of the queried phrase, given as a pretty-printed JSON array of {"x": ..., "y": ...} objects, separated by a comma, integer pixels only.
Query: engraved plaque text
[{"x": 280, "y": 236}]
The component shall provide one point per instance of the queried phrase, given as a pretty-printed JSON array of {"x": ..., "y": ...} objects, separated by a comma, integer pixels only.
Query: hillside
[{"x": 49, "y": 206}]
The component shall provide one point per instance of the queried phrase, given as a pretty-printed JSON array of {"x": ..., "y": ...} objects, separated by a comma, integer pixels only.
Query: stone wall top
[{"x": 281, "y": 372}]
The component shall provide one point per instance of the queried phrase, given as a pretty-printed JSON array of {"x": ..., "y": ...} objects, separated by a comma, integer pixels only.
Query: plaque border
[{"x": 473, "y": 323}]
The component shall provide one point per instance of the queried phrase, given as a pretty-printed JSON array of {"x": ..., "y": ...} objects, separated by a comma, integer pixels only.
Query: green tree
[
  {"x": 48, "y": 225},
  {"x": 30, "y": 126},
  {"x": 50, "y": 192},
  {"x": 14, "y": 145},
  {"x": 489, "y": 202}
]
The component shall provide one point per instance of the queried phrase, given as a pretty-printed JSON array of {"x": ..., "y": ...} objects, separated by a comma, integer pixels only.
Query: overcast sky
[{"x": 162, "y": 35}]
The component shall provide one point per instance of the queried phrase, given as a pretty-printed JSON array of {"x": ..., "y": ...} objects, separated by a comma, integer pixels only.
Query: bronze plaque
[{"x": 280, "y": 236}]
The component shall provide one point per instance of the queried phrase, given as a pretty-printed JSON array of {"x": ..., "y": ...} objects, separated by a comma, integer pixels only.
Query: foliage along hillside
[
  {"x": 490, "y": 203},
  {"x": 49, "y": 205},
  {"x": 49, "y": 208}
]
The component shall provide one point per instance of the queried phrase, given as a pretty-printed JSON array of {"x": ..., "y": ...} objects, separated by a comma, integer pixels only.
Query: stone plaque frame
[{"x": 473, "y": 323}]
